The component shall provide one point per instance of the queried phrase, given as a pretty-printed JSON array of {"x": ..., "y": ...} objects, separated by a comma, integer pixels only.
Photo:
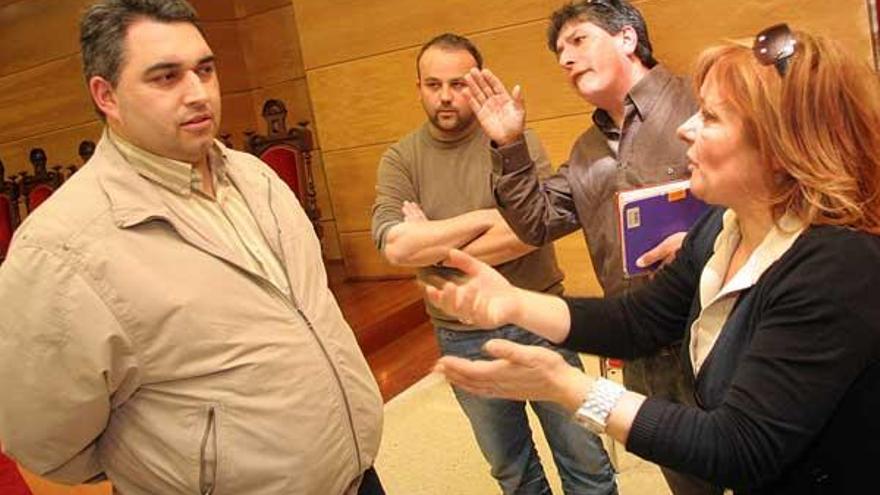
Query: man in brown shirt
[
  {"x": 433, "y": 194},
  {"x": 604, "y": 49}
]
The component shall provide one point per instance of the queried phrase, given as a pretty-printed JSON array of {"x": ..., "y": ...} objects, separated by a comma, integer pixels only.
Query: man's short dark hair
[
  {"x": 104, "y": 25},
  {"x": 450, "y": 41},
  {"x": 611, "y": 16}
]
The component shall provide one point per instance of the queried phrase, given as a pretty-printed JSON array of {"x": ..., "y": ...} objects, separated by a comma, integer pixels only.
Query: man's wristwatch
[{"x": 593, "y": 413}]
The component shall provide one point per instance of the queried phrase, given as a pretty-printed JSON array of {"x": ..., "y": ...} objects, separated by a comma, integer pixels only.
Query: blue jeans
[{"x": 502, "y": 430}]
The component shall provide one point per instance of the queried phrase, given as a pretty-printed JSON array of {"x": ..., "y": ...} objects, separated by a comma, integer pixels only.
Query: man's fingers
[
  {"x": 472, "y": 79},
  {"x": 480, "y": 78},
  {"x": 497, "y": 87},
  {"x": 475, "y": 105}
]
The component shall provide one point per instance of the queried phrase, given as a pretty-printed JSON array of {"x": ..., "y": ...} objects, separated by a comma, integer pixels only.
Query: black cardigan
[{"x": 789, "y": 396}]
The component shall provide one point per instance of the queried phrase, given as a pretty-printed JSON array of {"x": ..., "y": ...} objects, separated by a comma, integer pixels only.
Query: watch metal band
[{"x": 601, "y": 399}]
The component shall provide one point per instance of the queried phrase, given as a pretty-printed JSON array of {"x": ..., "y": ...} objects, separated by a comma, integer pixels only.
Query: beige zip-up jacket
[{"x": 134, "y": 346}]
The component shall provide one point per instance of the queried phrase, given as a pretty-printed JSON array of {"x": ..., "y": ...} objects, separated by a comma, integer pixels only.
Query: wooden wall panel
[
  {"x": 61, "y": 147},
  {"x": 238, "y": 116},
  {"x": 558, "y": 135},
  {"x": 271, "y": 47},
  {"x": 351, "y": 179},
  {"x": 580, "y": 276},
  {"x": 680, "y": 29},
  {"x": 321, "y": 189},
  {"x": 367, "y": 101},
  {"x": 363, "y": 261},
  {"x": 35, "y": 31},
  {"x": 245, "y": 8},
  {"x": 333, "y": 32},
  {"x": 45, "y": 98},
  {"x": 330, "y": 241},
  {"x": 215, "y": 10},
  {"x": 223, "y": 38}
]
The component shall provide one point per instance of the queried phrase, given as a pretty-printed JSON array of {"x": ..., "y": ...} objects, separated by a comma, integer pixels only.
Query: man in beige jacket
[{"x": 165, "y": 320}]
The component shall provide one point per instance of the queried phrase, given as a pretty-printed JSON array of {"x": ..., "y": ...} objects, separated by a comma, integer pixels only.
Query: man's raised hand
[{"x": 502, "y": 114}]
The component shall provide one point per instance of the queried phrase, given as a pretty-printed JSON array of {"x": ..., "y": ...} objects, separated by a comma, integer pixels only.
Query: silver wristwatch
[{"x": 593, "y": 413}]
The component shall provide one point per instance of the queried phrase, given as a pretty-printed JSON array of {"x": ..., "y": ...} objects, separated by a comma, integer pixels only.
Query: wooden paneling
[
  {"x": 43, "y": 99},
  {"x": 367, "y": 101},
  {"x": 271, "y": 46},
  {"x": 238, "y": 116},
  {"x": 321, "y": 189},
  {"x": 330, "y": 241},
  {"x": 363, "y": 261},
  {"x": 245, "y": 8},
  {"x": 351, "y": 179},
  {"x": 574, "y": 260},
  {"x": 680, "y": 29},
  {"x": 333, "y": 32},
  {"x": 558, "y": 135},
  {"x": 34, "y": 31},
  {"x": 215, "y": 10},
  {"x": 223, "y": 38},
  {"x": 61, "y": 147}
]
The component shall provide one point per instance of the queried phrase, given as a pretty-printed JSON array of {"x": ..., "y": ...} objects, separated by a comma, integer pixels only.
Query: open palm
[
  {"x": 486, "y": 299},
  {"x": 501, "y": 114}
]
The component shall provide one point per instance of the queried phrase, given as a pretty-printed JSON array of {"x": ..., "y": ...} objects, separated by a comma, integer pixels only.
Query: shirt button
[{"x": 670, "y": 171}]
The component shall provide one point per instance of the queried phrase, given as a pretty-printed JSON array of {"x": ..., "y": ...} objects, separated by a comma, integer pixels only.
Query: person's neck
[
  {"x": 754, "y": 224},
  {"x": 616, "y": 107},
  {"x": 451, "y": 136}
]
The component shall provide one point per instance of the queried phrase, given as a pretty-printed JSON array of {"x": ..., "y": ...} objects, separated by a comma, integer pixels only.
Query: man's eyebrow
[{"x": 177, "y": 65}]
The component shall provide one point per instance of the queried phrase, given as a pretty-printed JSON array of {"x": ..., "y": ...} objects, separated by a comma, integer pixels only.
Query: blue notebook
[{"x": 650, "y": 214}]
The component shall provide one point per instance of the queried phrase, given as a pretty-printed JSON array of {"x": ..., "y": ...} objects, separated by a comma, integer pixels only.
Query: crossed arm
[{"x": 418, "y": 241}]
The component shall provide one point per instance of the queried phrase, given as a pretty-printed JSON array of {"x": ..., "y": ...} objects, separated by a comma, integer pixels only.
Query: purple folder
[{"x": 651, "y": 214}]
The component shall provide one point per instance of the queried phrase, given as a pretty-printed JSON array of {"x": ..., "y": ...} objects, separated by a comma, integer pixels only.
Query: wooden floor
[{"x": 392, "y": 328}]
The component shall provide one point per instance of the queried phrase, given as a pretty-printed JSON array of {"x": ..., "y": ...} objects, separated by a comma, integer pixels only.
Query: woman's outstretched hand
[
  {"x": 486, "y": 299},
  {"x": 518, "y": 372}
]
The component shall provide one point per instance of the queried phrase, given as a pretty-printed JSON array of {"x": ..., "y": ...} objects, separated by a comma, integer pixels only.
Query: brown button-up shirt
[{"x": 603, "y": 161}]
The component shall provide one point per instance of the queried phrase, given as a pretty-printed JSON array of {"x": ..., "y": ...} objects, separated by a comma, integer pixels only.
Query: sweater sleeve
[{"x": 816, "y": 330}]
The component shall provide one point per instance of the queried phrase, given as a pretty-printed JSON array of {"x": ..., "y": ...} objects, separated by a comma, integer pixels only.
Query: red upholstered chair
[
  {"x": 38, "y": 187},
  {"x": 288, "y": 152},
  {"x": 11, "y": 482},
  {"x": 8, "y": 211}
]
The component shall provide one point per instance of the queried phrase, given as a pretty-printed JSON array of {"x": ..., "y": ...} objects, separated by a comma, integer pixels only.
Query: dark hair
[
  {"x": 611, "y": 16},
  {"x": 450, "y": 41},
  {"x": 104, "y": 25}
]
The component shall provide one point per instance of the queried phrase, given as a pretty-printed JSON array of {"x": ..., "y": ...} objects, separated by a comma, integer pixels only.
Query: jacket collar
[{"x": 133, "y": 197}]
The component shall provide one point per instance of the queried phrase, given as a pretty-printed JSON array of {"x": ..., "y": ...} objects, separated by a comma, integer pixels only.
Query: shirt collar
[
  {"x": 178, "y": 177},
  {"x": 639, "y": 101},
  {"x": 778, "y": 240}
]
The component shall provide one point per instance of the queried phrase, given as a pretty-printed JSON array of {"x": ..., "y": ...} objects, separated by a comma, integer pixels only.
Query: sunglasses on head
[{"x": 775, "y": 46}]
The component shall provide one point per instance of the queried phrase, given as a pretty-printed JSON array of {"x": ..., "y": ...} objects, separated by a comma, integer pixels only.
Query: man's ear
[
  {"x": 104, "y": 96},
  {"x": 629, "y": 40}
]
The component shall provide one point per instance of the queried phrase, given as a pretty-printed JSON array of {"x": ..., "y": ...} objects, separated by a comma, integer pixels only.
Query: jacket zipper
[
  {"x": 208, "y": 463},
  {"x": 294, "y": 304}
]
